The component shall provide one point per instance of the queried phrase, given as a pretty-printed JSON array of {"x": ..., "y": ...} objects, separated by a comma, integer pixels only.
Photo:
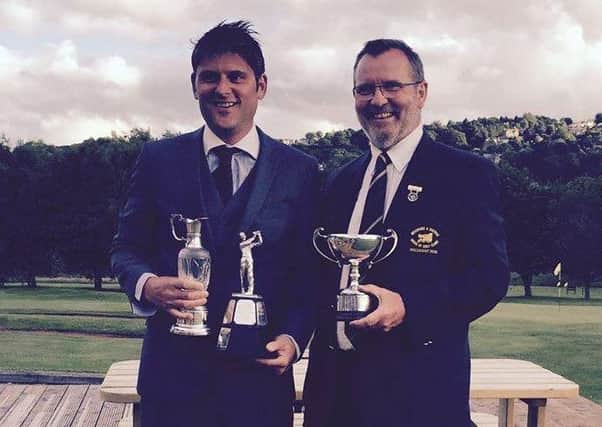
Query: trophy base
[
  {"x": 243, "y": 342},
  {"x": 349, "y": 316},
  {"x": 196, "y": 327},
  {"x": 354, "y": 305},
  {"x": 196, "y": 331}
]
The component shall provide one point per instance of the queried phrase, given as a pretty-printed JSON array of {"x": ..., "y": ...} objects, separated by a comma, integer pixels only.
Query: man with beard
[
  {"x": 242, "y": 180},
  {"x": 407, "y": 363}
]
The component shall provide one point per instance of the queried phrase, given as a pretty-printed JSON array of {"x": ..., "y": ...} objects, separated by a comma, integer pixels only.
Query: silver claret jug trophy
[
  {"x": 194, "y": 262},
  {"x": 244, "y": 333},
  {"x": 353, "y": 249}
]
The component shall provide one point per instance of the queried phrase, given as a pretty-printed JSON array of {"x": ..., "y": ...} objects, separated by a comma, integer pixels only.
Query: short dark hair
[
  {"x": 379, "y": 46},
  {"x": 233, "y": 37}
]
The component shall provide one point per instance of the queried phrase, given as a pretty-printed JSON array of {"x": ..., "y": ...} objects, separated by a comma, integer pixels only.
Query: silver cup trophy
[
  {"x": 353, "y": 249},
  {"x": 244, "y": 327},
  {"x": 194, "y": 262}
]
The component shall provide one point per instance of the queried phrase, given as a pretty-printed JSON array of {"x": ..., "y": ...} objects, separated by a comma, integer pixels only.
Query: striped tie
[{"x": 374, "y": 209}]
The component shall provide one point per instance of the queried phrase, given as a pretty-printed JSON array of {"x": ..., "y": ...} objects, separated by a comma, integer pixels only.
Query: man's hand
[
  {"x": 175, "y": 295},
  {"x": 389, "y": 313},
  {"x": 285, "y": 349}
]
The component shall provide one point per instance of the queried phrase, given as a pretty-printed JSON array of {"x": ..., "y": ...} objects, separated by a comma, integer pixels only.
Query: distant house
[
  {"x": 580, "y": 127},
  {"x": 512, "y": 133}
]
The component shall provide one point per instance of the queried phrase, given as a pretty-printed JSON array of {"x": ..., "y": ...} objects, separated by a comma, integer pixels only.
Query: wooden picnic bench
[{"x": 503, "y": 379}]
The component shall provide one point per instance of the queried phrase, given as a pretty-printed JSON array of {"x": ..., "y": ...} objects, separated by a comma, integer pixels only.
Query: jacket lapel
[
  {"x": 267, "y": 165},
  {"x": 205, "y": 199}
]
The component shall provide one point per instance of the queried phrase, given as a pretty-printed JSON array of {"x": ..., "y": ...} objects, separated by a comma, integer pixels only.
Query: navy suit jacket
[
  {"x": 172, "y": 176},
  {"x": 450, "y": 267}
]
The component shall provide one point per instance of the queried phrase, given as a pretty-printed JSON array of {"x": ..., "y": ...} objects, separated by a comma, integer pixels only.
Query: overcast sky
[{"x": 74, "y": 69}]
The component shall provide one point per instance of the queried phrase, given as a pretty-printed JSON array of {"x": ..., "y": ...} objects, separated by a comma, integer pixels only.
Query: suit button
[{"x": 331, "y": 347}]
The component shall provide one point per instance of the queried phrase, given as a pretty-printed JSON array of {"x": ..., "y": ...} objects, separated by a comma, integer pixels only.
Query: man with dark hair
[
  {"x": 243, "y": 181},
  {"x": 407, "y": 363}
]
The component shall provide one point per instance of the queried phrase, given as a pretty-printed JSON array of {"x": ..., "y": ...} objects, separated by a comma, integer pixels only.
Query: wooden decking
[{"x": 40, "y": 405}]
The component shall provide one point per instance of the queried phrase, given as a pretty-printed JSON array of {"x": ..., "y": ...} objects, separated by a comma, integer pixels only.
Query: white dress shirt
[{"x": 400, "y": 155}]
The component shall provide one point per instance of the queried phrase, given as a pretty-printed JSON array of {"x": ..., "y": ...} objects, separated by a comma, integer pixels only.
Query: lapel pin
[{"x": 414, "y": 191}]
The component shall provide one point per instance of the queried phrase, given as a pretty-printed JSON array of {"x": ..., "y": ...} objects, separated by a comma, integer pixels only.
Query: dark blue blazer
[
  {"x": 172, "y": 176},
  {"x": 450, "y": 267}
]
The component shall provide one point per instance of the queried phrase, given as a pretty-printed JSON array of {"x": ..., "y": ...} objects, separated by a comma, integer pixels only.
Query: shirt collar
[
  {"x": 402, "y": 152},
  {"x": 249, "y": 143}
]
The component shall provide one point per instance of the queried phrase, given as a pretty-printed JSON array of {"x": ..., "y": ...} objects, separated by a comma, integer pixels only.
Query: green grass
[
  {"x": 38, "y": 351},
  {"x": 66, "y": 327},
  {"x": 563, "y": 338},
  {"x": 128, "y": 327},
  {"x": 63, "y": 298},
  {"x": 549, "y": 295}
]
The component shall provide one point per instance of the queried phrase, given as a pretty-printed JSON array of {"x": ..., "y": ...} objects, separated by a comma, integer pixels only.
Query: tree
[
  {"x": 598, "y": 118},
  {"x": 525, "y": 208},
  {"x": 577, "y": 219},
  {"x": 58, "y": 205},
  {"x": 8, "y": 186},
  {"x": 475, "y": 132},
  {"x": 35, "y": 207},
  {"x": 453, "y": 137},
  {"x": 333, "y": 149},
  {"x": 567, "y": 120},
  {"x": 89, "y": 221}
]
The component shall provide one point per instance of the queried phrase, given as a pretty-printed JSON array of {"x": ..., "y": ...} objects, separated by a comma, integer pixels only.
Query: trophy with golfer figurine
[{"x": 244, "y": 327}]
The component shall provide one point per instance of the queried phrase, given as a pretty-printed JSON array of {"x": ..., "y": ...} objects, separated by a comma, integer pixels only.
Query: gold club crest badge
[{"x": 424, "y": 239}]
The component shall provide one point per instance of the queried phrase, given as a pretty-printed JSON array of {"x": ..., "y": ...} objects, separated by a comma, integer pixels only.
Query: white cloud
[
  {"x": 444, "y": 43},
  {"x": 65, "y": 59},
  {"x": 10, "y": 63},
  {"x": 64, "y": 62},
  {"x": 73, "y": 126},
  {"x": 313, "y": 62},
  {"x": 315, "y": 55},
  {"x": 17, "y": 16},
  {"x": 115, "y": 69},
  {"x": 59, "y": 96},
  {"x": 327, "y": 126},
  {"x": 112, "y": 64},
  {"x": 135, "y": 19},
  {"x": 487, "y": 72}
]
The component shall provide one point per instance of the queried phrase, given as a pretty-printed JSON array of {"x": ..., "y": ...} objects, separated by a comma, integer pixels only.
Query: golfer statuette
[{"x": 244, "y": 327}]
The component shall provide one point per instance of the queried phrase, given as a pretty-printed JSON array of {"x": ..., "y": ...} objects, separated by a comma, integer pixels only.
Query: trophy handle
[
  {"x": 392, "y": 235},
  {"x": 318, "y": 233},
  {"x": 173, "y": 226}
]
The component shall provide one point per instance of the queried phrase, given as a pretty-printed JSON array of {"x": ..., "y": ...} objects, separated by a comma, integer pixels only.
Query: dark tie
[
  {"x": 374, "y": 209},
  {"x": 222, "y": 175}
]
